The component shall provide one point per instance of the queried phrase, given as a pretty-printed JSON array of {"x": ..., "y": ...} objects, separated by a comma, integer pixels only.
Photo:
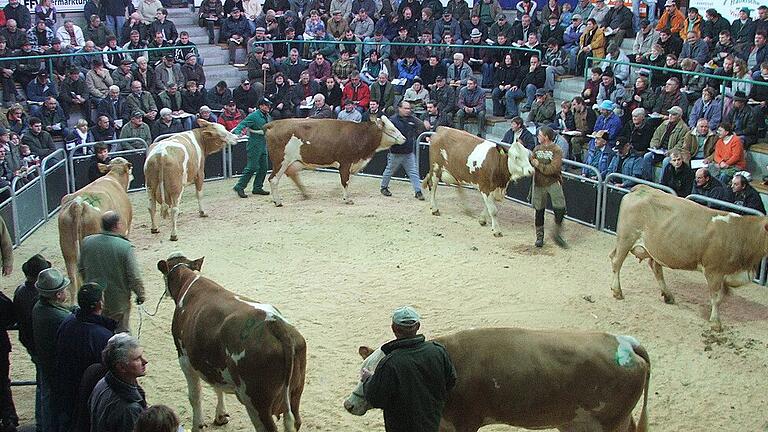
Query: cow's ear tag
[{"x": 501, "y": 150}]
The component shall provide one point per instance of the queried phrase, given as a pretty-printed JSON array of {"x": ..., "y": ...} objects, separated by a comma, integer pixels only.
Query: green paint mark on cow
[
  {"x": 92, "y": 200},
  {"x": 250, "y": 326}
]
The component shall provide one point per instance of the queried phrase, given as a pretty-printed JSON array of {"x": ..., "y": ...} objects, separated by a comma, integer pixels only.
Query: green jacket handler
[{"x": 256, "y": 149}]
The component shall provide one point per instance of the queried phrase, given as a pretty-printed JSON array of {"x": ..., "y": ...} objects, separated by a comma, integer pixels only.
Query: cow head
[
  {"x": 170, "y": 266},
  {"x": 214, "y": 136},
  {"x": 389, "y": 134},
  {"x": 356, "y": 404},
  {"x": 120, "y": 169},
  {"x": 518, "y": 161}
]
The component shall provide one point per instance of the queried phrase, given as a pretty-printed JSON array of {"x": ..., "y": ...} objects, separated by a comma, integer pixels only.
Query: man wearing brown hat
[
  {"x": 107, "y": 258},
  {"x": 49, "y": 312},
  {"x": 81, "y": 338}
]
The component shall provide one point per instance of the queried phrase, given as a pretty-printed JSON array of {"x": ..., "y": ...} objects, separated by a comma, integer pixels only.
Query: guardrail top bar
[
  {"x": 732, "y": 206},
  {"x": 676, "y": 71},
  {"x": 303, "y": 41},
  {"x": 96, "y": 52}
]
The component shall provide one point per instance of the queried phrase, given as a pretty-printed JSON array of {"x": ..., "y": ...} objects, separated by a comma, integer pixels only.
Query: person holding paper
[{"x": 670, "y": 134}]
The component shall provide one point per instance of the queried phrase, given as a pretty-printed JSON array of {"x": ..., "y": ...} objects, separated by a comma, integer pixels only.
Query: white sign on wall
[{"x": 729, "y": 9}]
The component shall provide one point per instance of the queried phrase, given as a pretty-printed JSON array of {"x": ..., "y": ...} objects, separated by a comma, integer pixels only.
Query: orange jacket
[
  {"x": 732, "y": 153},
  {"x": 696, "y": 27},
  {"x": 676, "y": 21}
]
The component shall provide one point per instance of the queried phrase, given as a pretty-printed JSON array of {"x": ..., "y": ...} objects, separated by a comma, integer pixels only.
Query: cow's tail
[
  {"x": 161, "y": 188},
  {"x": 642, "y": 423},
  {"x": 289, "y": 356},
  {"x": 75, "y": 210}
]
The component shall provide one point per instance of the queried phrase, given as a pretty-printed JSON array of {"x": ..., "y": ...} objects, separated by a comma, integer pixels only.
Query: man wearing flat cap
[
  {"x": 48, "y": 314},
  {"x": 411, "y": 383},
  {"x": 256, "y": 149},
  {"x": 81, "y": 338}
]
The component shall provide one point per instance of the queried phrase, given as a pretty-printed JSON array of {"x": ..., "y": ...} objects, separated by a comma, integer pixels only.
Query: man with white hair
[
  {"x": 117, "y": 401},
  {"x": 319, "y": 109},
  {"x": 458, "y": 72},
  {"x": 167, "y": 124},
  {"x": 411, "y": 383}
]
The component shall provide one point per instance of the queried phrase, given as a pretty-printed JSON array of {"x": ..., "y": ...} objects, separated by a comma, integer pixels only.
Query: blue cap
[
  {"x": 405, "y": 316},
  {"x": 606, "y": 105}
]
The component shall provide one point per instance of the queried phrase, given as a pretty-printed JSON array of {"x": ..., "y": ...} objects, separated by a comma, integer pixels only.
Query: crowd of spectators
[{"x": 335, "y": 59}]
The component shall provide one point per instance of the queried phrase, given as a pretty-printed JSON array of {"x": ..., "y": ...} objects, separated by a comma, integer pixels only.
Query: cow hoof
[
  {"x": 349, "y": 202},
  {"x": 278, "y": 204},
  {"x": 202, "y": 214},
  {"x": 221, "y": 420},
  {"x": 498, "y": 234},
  {"x": 668, "y": 298},
  {"x": 154, "y": 231},
  {"x": 435, "y": 212},
  {"x": 717, "y": 327},
  {"x": 482, "y": 222},
  {"x": 618, "y": 295},
  {"x": 174, "y": 238}
]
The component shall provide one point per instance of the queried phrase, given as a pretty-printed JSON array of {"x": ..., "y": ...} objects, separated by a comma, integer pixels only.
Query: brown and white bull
[
  {"x": 459, "y": 158},
  {"x": 294, "y": 145},
  {"x": 81, "y": 212},
  {"x": 177, "y": 161},
  {"x": 680, "y": 234},
  {"x": 537, "y": 379},
  {"x": 237, "y": 346}
]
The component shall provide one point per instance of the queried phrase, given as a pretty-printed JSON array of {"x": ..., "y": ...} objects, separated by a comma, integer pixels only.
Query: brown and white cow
[
  {"x": 459, "y": 158},
  {"x": 294, "y": 145},
  {"x": 680, "y": 234},
  {"x": 81, "y": 212},
  {"x": 537, "y": 379},
  {"x": 177, "y": 161},
  {"x": 237, "y": 346}
]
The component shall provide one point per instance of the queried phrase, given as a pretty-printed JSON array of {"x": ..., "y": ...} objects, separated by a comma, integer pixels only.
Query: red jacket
[
  {"x": 231, "y": 121},
  {"x": 361, "y": 94}
]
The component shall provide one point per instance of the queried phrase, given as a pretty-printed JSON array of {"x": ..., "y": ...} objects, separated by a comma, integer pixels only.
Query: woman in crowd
[{"x": 729, "y": 154}]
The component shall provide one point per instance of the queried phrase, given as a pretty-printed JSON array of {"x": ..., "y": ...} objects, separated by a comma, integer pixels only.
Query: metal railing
[
  {"x": 96, "y": 52},
  {"x": 609, "y": 186},
  {"x": 361, "y": 58}
]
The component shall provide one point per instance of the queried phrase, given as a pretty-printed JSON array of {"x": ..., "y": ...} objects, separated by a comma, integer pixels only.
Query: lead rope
[{"x": 143, "y": 310}]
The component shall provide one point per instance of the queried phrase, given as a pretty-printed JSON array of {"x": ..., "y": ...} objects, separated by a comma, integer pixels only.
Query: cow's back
[
  {"x": 681, "y": 234},
  {"x": 536, "y": 379},
  {"x": 468, "y": 159},
  {"x": 321, "y": 142},
  {"x": 232, "y": 344},
  {"x": 172, "y": 164}
]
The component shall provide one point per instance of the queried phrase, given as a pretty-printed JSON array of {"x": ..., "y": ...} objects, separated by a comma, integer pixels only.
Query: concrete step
[
  {"x": 225, "y": 72},
  {"x": 192, "y": 30},
  {"x": 213, "y": 55},
  {"x": 568, "y": 88}
]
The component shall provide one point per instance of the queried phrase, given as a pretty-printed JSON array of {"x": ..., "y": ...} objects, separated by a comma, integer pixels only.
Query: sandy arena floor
[{"x": 336, "y": 271}]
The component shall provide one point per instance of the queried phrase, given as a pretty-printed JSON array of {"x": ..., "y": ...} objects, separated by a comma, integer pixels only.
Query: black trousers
[{"x": 7, "y": 407}]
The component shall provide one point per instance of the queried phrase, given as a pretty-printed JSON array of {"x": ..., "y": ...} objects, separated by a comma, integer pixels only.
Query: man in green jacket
[
  {"x": 108, "y": 260},
  {"x": 256, "y": 149},
  {"x": 411, "y": 383},
  {"x": 136, "y": 128},
  {"x": 49, "y": 312}
]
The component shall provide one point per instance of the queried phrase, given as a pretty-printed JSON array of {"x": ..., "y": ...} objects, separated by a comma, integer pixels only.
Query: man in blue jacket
[{"x": 79, "y": 342}]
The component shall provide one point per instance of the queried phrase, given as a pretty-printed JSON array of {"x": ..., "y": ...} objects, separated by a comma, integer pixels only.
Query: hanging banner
[{"x": 729, "y": 9}]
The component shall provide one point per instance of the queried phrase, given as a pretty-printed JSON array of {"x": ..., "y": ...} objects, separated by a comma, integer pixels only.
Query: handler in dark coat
[
  {"x": 411, "y": 383},
  {"x": 256, "y": 149},
  {"x": 79, "y": 342}
]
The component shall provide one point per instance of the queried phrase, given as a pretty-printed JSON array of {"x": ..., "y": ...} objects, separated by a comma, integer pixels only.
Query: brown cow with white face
[
  {"x": 460, "y": 158},
  {"x": 296, "y": 144},
  {"x": 177, "y": 161},
  {"x": 237, "y": 346},
  {"x": 81, "y": 212},
  {"x": 680, "y": 234},
  {"x": 537, "y": 379}
]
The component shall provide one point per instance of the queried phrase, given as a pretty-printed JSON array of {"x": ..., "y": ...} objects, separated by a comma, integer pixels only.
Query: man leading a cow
[
  {"x": 107, "y": 259},
  {"x": 547, "y": 160},
  {"x": 411, "y": 383},
  {"x": 256, "y": 149}
]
